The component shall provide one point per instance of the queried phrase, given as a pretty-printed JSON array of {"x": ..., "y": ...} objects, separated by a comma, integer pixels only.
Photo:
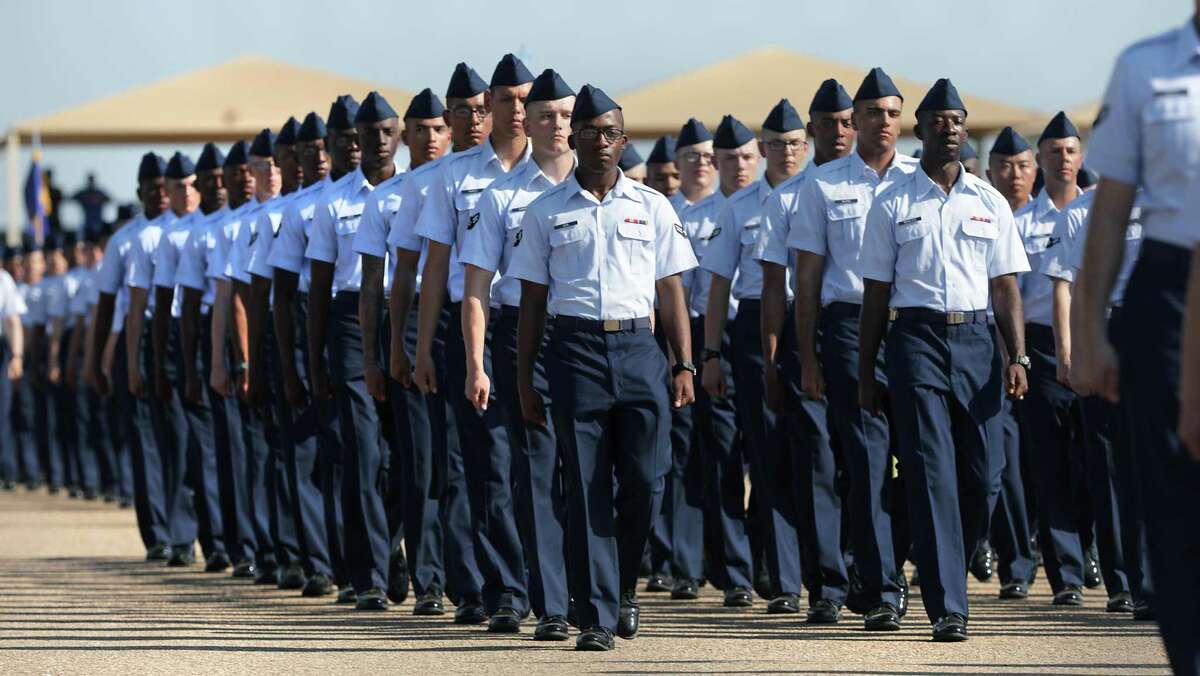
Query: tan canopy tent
[
  {"x": 223, "y": 103},
  {"x": 748, "y": 86}
]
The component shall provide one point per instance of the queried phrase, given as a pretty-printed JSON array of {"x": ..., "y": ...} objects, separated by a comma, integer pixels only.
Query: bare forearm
[
  {"x": 1060, "y": 319},
  {"x": 531, "y": 326},
  {"x": 240, "y": 324},
  {"x": 133, "y": 325},
  {"x": 256, "y": 320},
  {"x": 673, "y": 310},
  {"x": 370, "y": 306},
  {"x": 773, "y": 311},
  {"x": 54, "y": 351},
  {"x": 872, "y": 323},
  {"x": 807, "y": 290},
  {"x": 101, "y": 326},
  {"x": 189, "y": 334},
  {"x": 286, "y": 283},
  {"x": 404, "y": 284},
  {"x": 160, "y": 329},
  {"x": 433, "y": 291},
  {"x": 222, "y": 303},
  {"x": 1103, "y": 251},
  {"x": 475, "y": 310},
  {"x": 319, "y": 290},
  {"x": 716, "y": 312},
  {"x": 16, "y": 336},
  {"x": 1010, "y": 316}
]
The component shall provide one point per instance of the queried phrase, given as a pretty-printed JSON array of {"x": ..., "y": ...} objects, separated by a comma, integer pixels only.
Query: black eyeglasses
[
  {"x": 611, "y": 134},
  {"x": 468, "y": 111},
  {"x": 777, "y": 144}
]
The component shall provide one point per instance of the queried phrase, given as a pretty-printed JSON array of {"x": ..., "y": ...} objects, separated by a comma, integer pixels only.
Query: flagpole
[{"x": 12, "y": 148}]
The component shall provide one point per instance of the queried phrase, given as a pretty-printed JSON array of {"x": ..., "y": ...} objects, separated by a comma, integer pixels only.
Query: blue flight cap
[
  {"x": 29, "y": 245},
  {"x": 942, "y": 96},
  {"x": 831, "y": 97},
  {"x": 313, "y": 128},
  {"x": 1009, "y": 143},
  {"x": 287, "y": 133},
  {"x": 342, "y": 112},
  {"x": 105, "y": 230},
  {"x": 967, "y": 152},
  {"x": 210, "y": 158},
  {"x": 731, "y": 133},
  {"x": 238, "y": 154},
  {"x": 465, "y": 83},
  {"x": 549, "y": 86},
  {"x": 152, "y": 166},
  {"x": 126, "y": 212},
  {"x": 693, "y": 132},
  {"x": 7, "y": 252},
  {"x": 782, "y": 118},
  {"x": 52, "y": 241},
  {"x": 591, "y": 103},
  {"x": 374, "y": 108},
  {"x": 876, "y": 85},
  {"x": 630, "y": 158},
  {"x": 424, "y": 105},
  {"x": 263, "y": 143},
  {"x": 917, "y": 154},
  {"x": 69, "y": 240},
  {"x": 1086, "y": 178},
  {"x": 1059, "y": 127},
  {"x": 180, "y": 166},
  {"x": 663, "y": 150},
  {"x": 510, "y": 72}
]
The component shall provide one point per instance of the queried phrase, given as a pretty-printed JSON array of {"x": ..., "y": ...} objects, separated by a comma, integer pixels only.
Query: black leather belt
[
  {"x": 510, "y": 311},
  {"x": 927, "y": 316},
  {"x": 600, "y": 325},
  {"x": 841, "y": 310}
]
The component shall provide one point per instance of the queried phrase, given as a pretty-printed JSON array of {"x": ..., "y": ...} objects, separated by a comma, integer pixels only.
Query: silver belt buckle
[
  {"x": 893, "y": 314},
  {"x": 612, "y": 325},
  {"x": 956, "y": 318}
]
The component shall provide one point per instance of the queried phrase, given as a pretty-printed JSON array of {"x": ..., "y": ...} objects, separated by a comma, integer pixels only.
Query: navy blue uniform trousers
[
  {"x": 1149, "y": 350},
  {"x": 201, "y": 473},
  {"x": 610, "y": 413},
  {"x": 945, "y": 390},
  {"x": 149, "y": 499}
]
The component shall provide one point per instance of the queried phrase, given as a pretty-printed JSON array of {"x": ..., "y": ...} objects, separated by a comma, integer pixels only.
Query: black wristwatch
[
  {"x": 1023, "y": 362},
  {"x": 709, "y": 354},
  {"x": 682, "y": 366}
]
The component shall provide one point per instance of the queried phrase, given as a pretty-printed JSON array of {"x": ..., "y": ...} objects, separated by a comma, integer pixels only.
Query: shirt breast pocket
[
  {"x": 912, "y": 230},
  {"x": 749, "y": 235},
  {"x": 347, "y": 224},
  {"x": 1172, "y": 124},
  {"x": 570, "y": 254},
  {"x": 466, "y": 215},
  {"x": 847, "y": 219},
  {"x": 979, "y": 237},
  {"x": 637, "y": 241}
]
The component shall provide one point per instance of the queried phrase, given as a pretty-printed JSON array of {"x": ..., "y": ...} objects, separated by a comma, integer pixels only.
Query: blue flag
[{"x": 37, "y": 196}]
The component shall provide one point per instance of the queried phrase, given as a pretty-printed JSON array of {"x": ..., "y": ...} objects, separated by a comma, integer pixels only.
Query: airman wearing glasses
[{"x": 694, "y": 157}]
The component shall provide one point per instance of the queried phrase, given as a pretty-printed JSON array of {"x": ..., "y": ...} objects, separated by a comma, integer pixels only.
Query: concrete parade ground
[{"x": 78, "y": 598}]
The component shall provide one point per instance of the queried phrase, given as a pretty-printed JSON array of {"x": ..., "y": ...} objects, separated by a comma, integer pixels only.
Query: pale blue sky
[{"x": 1043, "y": 54}]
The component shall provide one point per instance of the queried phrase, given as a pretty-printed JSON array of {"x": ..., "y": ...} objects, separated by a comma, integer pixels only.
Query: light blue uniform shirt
[
  {"x": 224, "y": 236},
  {"x": 331, "y": 239},
  {"x": 35, "y": 314},
  {"x": 85, "y": 295},
  {"x": 489, "y": 245},
  {"x": 12, "y": 300},
  {"x": 59, "y": 291},
  {"x": 114, "y": 268},
  {"x": 287, "y": 253},
  {"x": 1035, "y": 223},
  {"x": 193, "y": 258},
  {"x": 939, "y": 251},
  {"x": 237, "y": 267},
  {"x": 168, "y": 254},
  {"x": 449, "y": 208},
  {"x": 830, "y": 217},
  {"x": 778, "y": 212},
  {"x": 700, "y": 223},
  {"x": 600, "y": 258},
  {"x": 267, "y": 226},
  {"x": 1148, "y": 131},
  {"x": 402, "y": 226},
  {"x": 144, "y": 253},
  {"x": 730, "y": 250},
  {"x": 1064, "y": 255}
]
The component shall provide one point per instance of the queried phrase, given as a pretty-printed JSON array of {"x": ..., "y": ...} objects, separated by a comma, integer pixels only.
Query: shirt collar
[
  {"x": 1188, "y": 44},
  {"x": 1044, "y": 205},
  {"x": 623, "y": 188},
  {"x": 357, "y": 183},
  {"x": 533, "y": 172},
  {"x": 926, "y": 184},
  {"x": 859, "y": 168},
  {"x": 487, "y": 153}
]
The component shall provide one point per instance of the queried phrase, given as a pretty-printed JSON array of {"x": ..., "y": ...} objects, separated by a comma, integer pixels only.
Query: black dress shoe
[
  {"x": 318, "y": 584},
  {"x": 183, "y": 556},
  {"x": 903, "y": 609},
  {"x": 245, "y": 570},
  {"x": 125, "y": 503},
  {"x": 552, "y": 628},
  {"x": 824, "y": 612},
  {"x": 90, "y": 494},
  {"x": 217, "y": 563},
  {"x": 430, "y": 604},
  {"x": 372, "y": 599},
  {"x": 784, "y": 604},
  {"x": 347, "y": 596},
  {"x": 292, "y": 577},
  {"x": 505, "y": 620},
  {"x": 1142, "y": 612},
  {"x": 595, "y": 639},
  {"x": 397, "y": 590},
  {"x": 658, "y": 583},
  {"x": 950, "y": 629},
  {"x": 738, "y": 597},
  {"x": 1119, "y": 603},
  {"x": 268, "y": 573},
  {"x": 629, "y": 618},
  {"x": 158, "y": 552},
  {"x": 856, "y": 600},
  {"x": 685, "y": 590},
  {"x": 1014, "y": 591},
  {"x": 983, "y": 563},
  {"x": 470, "y": 612},
  {"x": 1070, "y": 596},
  {"x": 1091, "y": 572},
  {"x": 883, "y": 618}
]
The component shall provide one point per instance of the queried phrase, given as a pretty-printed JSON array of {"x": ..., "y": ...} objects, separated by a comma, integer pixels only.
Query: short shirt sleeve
[
  {"x": 483, "y": 245},
  {"x": 1008, "y": 256},
  {"x": 673, "y": 249},
  {"x": 723, "y": 252},
  {"x": 371, "y": 237},
  {"x": 437, "y": 220},
  {"x": 808, "y": 225},
  {"x": 141, "y": 263},
  {"x": 879, "y": 243},
  {"x": 531, "y": 248},
  {"x": 1115, "y": 146},
  {"x": 773, "y": 233},
  {"x": 322, "y": 240}
]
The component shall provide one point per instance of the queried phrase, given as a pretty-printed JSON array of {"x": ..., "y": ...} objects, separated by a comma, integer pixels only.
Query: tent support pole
[{"x": 12, "y": 149}]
